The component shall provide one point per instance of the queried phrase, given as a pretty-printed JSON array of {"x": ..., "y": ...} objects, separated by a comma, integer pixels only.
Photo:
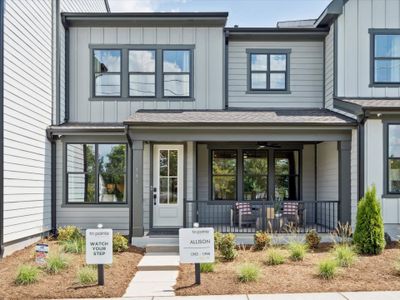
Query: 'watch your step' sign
[
  {"x": 99, "y": 246},
  {"x": 196, "y": 245}
]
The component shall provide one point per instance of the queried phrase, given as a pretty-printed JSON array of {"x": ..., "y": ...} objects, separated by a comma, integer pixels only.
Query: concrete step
[
  {"x": 161, "y": 248},
  {"x": 159, "y": 261}
]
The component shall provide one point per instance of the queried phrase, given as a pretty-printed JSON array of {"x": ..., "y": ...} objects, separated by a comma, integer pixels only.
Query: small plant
[
  {"x": 274, "y": 257},
  {"x": 397, "y": 266},
  {"x": 369, "y": 235},
  {"x": 74, "y": 246},
  {"x": 312, "y": 239},
  {"x": 344, "y": 255},
  {"x": 327, "y": 269},
  {"x": 207, "y": 267},
  {"x": 261, "y": 240},
  {"x": 217, "y": 240},
  {"x": 342, "y": 234},
  {"x": 120, "y": 243},
  {"x": 297, "y": 250},
  {"x": 69, "y": 233},
  {"x": 87, "y": 275},
  {"x": 228, "y": 246},
  {"x": 56, "y": 262},
  {"x": 27, "y": 274},
  {"x": 248, "y": 272}
]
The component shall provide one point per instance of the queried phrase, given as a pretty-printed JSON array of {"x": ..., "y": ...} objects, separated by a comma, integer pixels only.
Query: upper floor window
[
  {"x": 385, "y": 51},
  {"x": 127, "y": 72},
  {"x": 393, "y": 159},
  {"x": 107, "y": 73},
  {"x": 268, "y": 70}
]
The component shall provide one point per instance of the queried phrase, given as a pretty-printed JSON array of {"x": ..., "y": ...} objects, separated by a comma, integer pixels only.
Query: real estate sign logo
[
  {"x": 99, "y": 246},
  {"x": 196, "y": 245}
]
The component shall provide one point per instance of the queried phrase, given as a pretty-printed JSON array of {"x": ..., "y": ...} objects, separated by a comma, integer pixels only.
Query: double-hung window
[
  {"x": 107, "y": 73},
  {"x": 95, "y": 173},
  {"x": 268, "y": 70},
  {"x": 224, "y": 174},
  {"x": 385, "y": 57},
  {"x": 393, "y": 159},
  {"x": 142, "y": 73},
  {"x": 176, "y": 73}
]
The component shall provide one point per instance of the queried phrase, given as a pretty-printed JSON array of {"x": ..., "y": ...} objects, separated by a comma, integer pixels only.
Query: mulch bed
[
  {"x": 64, "y": 284},
  {"x": 369, "y": 273}
]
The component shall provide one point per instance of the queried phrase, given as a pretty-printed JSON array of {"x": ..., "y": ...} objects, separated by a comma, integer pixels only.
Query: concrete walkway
[
  {"x": 307, "y": 296},
  {"x": 157, "y": 274}
]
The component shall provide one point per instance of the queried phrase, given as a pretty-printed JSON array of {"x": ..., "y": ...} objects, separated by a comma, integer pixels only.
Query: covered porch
[{"x": 239, "y": 171}]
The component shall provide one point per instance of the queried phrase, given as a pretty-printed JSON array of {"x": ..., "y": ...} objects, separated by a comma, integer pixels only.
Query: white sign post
[
  {"x": 196, "y": 245},
  {"x": 99, "y": 249}
]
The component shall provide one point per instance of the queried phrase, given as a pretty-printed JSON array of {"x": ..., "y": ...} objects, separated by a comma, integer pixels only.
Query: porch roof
[
  {"x": 230, "y": 117},
  {"x": 359, "y": 106}
]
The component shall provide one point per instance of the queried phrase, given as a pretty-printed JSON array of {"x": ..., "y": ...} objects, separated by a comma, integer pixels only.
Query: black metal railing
[{"x": 272, "y": 216}]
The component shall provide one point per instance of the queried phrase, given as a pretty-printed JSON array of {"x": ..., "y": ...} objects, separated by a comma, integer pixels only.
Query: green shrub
[
  {"x": 120, "y": 243},
  {"x": 248, "y": 272},
  {"x": 261, "y": 240},
  {"x": 297, "y": 250},
  {"x": 228, "y": 246},
  {"x": 56, "y": 262},
  {"x": 327, "y": 269},
  {"x": 344, "y": 255},
  {"x": 207, "y": 267},
  {"x": 312, "y": 239},
  {"x": 27, "y": 274},
  {"x": 274, "y": 257},
  {"x": 74, "y": 246},
  {"x": 87, "y": 275},
  {"x": 217, "y": 240},
  {"x": 69, "y": 233},
  {"x": 369, "y": 235}
]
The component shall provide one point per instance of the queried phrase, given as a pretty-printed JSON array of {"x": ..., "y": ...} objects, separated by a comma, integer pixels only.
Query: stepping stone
[{"x": 159, "y": 262}]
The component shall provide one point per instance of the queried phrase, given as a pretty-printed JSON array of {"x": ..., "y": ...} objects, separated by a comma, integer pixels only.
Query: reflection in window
[
  {"x": 168, "y": 177},
  {"x": 255, "y": 174},
  {"x": 224, "y": 164},
  {"x": 107, "y": 72},
  {"x": 88, "y": 163},
  {"x": 176, "y": 73},
  {"x": 286, "y": 175},
  {"x": 268, "y": 71},
  {"x": 387, "y": 58},
  {"x": 142, "y": 73},
  {"x": 393, "y": 158}
]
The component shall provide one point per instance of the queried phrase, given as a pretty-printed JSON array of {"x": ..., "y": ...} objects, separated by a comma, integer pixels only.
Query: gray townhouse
[{"x": 150, "y": 122}]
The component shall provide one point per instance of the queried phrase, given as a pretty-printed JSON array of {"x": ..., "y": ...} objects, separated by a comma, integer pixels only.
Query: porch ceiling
[{"x": 245, "y": 118}]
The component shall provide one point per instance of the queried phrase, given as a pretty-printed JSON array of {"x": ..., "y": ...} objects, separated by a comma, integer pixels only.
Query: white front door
[{"x": 168, "y": 186}]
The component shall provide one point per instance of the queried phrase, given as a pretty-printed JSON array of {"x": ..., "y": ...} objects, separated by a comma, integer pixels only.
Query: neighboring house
[{"x": 161, "y": 120}]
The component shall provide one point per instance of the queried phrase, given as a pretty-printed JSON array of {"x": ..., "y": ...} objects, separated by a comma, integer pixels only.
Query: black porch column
[
  {"x": 344, "y": 148},
  {"x": 137, "y": 185}
]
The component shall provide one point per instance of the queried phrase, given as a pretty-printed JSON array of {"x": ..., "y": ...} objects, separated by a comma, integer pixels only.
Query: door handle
[{"x": 154, "y": 196}]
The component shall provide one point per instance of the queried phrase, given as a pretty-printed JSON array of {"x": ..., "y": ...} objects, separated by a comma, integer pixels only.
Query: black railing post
[{"x": 263, "y": 215}]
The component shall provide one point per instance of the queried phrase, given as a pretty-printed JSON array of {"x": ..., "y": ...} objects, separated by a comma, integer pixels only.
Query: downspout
[
  {"x": 1, "y": 128},
  {"x": 66, "y": 68},
  {"x": 52, "y": 139},
  {"x": 130, "y": 182},
  {"x": 226, "y": 69},
  {"x": 58, "y": 61}
]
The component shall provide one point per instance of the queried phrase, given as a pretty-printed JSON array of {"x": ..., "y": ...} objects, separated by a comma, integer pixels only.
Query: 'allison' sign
[
  {"x": 99, "y": 246},
  {"x": 196, "y": 245}
]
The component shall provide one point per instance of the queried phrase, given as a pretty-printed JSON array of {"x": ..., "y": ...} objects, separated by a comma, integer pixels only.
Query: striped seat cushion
[
  {"x": 290, "y": 208},
  {"x": 243, "y": 208}
]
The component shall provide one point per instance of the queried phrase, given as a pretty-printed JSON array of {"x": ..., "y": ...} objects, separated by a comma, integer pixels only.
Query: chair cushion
[
  {"x": 243, "y": 208},
  {"x": 290, "y": 208}
]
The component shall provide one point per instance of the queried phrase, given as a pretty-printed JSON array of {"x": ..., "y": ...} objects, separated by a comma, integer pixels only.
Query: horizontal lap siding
[
  {"x": 329, "y": 66},
  {"x": 306, "y": 75},
  {"x": 208, "y": 70},
  {"x": 27, "y": 113}
]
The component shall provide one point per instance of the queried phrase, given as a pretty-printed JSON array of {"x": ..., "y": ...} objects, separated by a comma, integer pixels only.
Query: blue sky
[{"x": 241, "y": 12}]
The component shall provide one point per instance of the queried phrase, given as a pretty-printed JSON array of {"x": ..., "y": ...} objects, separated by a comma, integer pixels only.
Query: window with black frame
[
  {"x": 107, "y": 73},
  {"x": 255, "y": 174},
  {"x": 176, "y": 73},
  {"x": 142, "y": 73},
  {"x": 386, "y": 58},
  {"x": 224, "y": 174},
  {"x": 393, "y": 154},
  {"x": 96, "y": 173},
  {"x": 287, "y": 175}
]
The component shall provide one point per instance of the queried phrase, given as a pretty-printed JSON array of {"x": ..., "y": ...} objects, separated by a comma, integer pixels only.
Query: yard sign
[
  {"x": 99, "y": 246},
  {"x": 196, "y": 245}
]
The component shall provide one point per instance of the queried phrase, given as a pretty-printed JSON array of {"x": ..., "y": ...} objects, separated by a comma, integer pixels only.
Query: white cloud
[{"x": 133, "y": 5}]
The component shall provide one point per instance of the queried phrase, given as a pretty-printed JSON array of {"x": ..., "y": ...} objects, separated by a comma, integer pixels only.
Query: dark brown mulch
[
  {"x": 64, "y": 284},
  {"x": 369, "y": 273}
]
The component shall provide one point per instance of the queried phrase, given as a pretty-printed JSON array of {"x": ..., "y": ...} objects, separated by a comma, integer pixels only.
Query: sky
[{"x": 244, "y": 13}]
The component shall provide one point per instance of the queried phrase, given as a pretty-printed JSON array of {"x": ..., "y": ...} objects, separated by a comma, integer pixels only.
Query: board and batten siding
[
  {"x": 27, "y": 113},
  {"x": 353, "y": 46},
  {"x": 305, "y": 68},
  {"x": 208, "y": 70},
  {"x": 329, "y": 68}
]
